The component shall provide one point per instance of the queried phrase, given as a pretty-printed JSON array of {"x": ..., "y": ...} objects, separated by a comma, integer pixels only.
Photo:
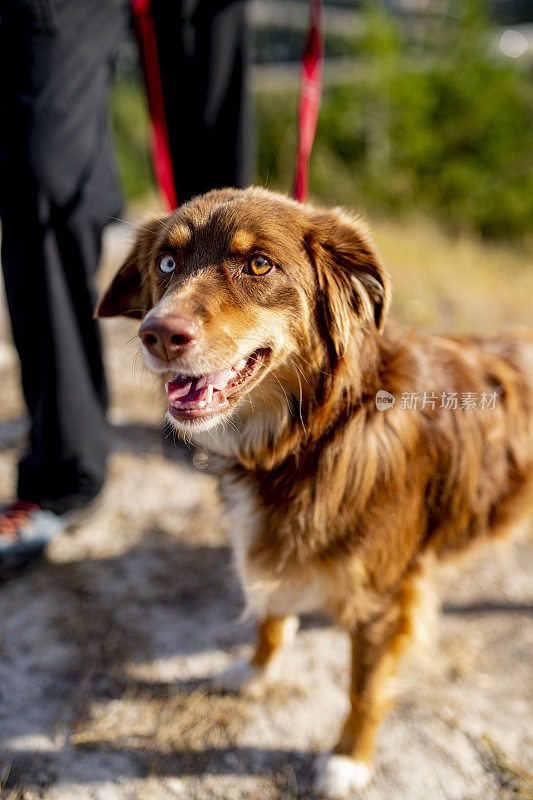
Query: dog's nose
[{"x": 167, "y": 337}]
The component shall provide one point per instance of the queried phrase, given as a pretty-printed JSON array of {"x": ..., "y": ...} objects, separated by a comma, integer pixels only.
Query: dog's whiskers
[
  {"x": 261, "y": 363},
  {"x": 301, "y": 397},
  {"x": 131, "y": 224},
  {"x": 129, "y": 342}
]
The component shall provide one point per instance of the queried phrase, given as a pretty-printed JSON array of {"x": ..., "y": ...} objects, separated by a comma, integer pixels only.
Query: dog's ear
[
  {"x": 129, "y": 292},
  {"x": 350, "y": 275}
]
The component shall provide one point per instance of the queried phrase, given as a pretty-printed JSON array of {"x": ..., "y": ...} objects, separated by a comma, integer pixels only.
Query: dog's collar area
[{"x": 190, "y": 396}]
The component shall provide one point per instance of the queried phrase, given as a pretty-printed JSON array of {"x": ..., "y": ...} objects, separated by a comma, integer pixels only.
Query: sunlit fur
[{"x": 334, "y": 505}]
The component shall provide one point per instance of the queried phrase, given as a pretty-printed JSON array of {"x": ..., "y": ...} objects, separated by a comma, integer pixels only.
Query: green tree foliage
[
  {"x": 131, "y": 126},
  {"x": 434, "y": 120}
]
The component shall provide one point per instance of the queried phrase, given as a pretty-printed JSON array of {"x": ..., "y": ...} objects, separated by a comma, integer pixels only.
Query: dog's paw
[
  {"x": 241, "y": 676},
  {"x": 340, "y": 777}
]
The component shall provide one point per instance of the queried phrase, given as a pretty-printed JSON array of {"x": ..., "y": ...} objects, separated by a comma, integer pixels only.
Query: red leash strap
[
  {"x": 164, "y": 172},
  {"x": 311, "y": 89}
]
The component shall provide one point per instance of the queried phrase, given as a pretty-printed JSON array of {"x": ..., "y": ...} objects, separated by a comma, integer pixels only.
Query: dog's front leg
[
  {"x": 375, "y": 652},
  {"x": 272, "y": 634}
]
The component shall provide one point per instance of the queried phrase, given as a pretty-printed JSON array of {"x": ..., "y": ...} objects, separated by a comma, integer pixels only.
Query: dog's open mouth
[{"x": 190, "y": 397}]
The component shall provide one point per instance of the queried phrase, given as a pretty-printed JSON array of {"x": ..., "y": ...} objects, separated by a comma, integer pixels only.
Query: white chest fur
[
  {"x": 266, "y": 593},
  {"x": 244, "y": 517}
]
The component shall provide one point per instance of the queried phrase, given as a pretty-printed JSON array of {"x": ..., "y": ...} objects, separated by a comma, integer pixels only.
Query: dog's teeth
[
  {"x": 240, "y": 365},
  {"x": 167, "y": 384},
  {"x": 202, "y": 404},
  {"x": 209, "y": 395}
]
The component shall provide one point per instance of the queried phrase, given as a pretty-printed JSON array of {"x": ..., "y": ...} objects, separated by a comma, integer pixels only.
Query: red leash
[
  {"x": 161, "y": 157},
  {"x": 310, "y": 92}
]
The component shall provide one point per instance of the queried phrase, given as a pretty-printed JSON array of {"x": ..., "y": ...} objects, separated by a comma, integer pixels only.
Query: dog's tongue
[{"x": 184, "y": 389}]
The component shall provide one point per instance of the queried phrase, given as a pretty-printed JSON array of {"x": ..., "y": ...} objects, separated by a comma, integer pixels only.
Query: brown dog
[{"x": 351, "y": 455}]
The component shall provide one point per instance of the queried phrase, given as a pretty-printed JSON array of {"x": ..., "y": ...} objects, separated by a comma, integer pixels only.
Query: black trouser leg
[
  {"x": 57, "y": 191},
  {"x": 203, "y": 50}
]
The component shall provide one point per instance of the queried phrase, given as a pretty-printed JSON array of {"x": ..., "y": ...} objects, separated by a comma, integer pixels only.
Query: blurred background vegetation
[{"x": 426, "y": 111}]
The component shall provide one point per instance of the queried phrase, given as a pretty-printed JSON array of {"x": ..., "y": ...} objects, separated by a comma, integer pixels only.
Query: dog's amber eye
[
  {"x": 167, "y": 264},
  {"x": 258, "y": 265}
]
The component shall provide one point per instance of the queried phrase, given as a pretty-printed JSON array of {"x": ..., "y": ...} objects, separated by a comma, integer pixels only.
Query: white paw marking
[
  {"x": 290, "y": 628},
  {"x": 240, "y": 676},
  {"x": 340, "y": 777}
]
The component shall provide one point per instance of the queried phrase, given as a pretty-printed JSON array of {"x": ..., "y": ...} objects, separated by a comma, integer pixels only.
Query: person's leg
[
  {"x": 57, "y": 192},
  {"x": 204, "y": 54}
]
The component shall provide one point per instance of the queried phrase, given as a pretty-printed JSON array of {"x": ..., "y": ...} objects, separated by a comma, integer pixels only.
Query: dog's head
[{"x": 247, "y": 300}]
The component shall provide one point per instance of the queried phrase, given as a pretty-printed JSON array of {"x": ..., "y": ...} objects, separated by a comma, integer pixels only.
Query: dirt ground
[{"x": 107, "y": 647}]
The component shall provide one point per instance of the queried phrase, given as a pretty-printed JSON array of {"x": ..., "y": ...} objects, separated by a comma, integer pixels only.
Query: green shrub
[
  {"x": 131, "y": 130},
  {"x": 437, "y": 123}
]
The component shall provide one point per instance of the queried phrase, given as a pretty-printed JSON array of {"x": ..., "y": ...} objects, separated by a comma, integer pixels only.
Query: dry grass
[
  {"x": 454, "y": 283},
  {"x": 514, "y": 781}
]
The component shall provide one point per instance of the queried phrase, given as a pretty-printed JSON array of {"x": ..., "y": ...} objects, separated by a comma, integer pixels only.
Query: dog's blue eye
[{"x": 167, "y": 264}]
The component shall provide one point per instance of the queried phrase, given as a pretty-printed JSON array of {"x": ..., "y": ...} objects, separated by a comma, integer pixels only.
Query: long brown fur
[{"x": 348, "y": 500}]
